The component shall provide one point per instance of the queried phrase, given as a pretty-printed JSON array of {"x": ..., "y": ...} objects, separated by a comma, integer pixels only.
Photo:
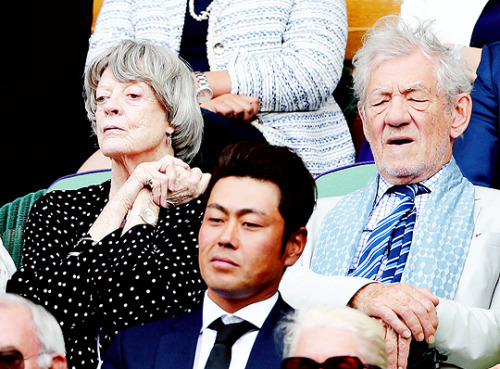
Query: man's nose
[
  {"x": 397, "y": 113},
  {"x": 229, "y": 235}
]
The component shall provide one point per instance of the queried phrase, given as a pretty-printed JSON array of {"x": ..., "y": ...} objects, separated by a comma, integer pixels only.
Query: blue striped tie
[{"x": 392, "y": 237}]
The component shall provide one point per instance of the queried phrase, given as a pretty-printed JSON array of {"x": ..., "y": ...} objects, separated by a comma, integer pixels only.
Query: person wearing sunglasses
[
  {"x": 30, "y": 337},
  {"x": 329, "y": 337}
]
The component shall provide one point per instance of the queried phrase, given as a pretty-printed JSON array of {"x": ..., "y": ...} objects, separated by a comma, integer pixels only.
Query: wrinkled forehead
[{"x": 413, "y": 71}]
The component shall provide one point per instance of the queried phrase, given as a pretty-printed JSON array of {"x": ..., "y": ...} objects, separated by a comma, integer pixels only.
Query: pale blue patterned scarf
[{"x": 441, "y": 238}]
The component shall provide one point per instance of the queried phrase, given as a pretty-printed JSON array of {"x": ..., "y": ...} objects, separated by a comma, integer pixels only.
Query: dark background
[{"x": 45, "y": 131}]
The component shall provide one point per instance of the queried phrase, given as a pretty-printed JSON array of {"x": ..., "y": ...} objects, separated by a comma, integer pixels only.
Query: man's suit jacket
[
  {"x": 469, "y": 326},
  {"x": 477, "y": 152},
  {"x": 171, "y": 343}
]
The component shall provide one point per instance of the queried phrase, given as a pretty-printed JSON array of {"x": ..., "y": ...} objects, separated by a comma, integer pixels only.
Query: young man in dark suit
[{"x": 258, "y": 202}]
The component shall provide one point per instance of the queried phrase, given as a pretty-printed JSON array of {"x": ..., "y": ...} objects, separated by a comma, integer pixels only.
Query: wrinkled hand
[
  {"x": 159, "y": 176},
  {"x": 190, "y": 184},
  {"x": 149, "y": 182},
  {"x": 408, "y": 310},
  {"x": 243, "y": 108},
  {"x": 398, "y": 347}
]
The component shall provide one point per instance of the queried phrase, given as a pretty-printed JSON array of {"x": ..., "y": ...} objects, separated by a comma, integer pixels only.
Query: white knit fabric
[
  {"x": 288, "y": 53},
  {"x": 7, "y": 267}
]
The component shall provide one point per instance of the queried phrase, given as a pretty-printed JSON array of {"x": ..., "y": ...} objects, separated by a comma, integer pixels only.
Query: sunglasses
[
  {"x": 336, "y": 362},
  {"x": 13, "y": 359}
]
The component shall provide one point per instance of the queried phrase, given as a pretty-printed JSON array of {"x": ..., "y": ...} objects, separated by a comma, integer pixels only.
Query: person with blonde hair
[
  {"x": 30, "y": 336},
  {"x": 323, "y": 333}
]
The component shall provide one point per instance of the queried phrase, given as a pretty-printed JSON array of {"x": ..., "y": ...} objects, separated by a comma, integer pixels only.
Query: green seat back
[
  {"x": 13, "y": 217},
  {"x": 79, "y": 180},
  {"x": 341, "y": 181}
]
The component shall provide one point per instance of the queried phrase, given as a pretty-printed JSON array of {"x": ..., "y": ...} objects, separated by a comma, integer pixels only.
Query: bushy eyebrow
[
  {"x": 240, "y": 212},
  {"x": 417, "y": 87},
  {"x": 409, "y": 89}
]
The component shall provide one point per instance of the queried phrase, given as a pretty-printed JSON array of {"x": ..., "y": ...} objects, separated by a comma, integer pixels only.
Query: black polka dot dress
[{"x": 148, "y": 273}]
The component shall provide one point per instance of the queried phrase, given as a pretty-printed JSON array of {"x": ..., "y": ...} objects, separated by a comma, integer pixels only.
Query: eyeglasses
[
  {"x": 13, "y": 359},
  {"x": 336, "y": 362}
]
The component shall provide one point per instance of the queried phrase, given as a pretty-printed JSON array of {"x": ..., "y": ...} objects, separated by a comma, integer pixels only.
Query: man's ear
[
  {"x": 461, "y": 115},
  {"x": 295, "y": 246},
  {"x": 59, "y": 362},
  {"x": 361, "y": 113}
]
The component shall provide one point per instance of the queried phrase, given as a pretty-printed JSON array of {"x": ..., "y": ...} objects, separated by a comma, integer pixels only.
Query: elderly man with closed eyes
[{"x": 419, "y": 245}]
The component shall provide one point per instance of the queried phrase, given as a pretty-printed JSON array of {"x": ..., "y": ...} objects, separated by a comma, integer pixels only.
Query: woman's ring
[{"x": 150, "y": 182}]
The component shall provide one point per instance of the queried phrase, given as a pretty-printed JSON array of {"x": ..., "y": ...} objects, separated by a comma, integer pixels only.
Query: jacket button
[{"x": 218, "y": 48}]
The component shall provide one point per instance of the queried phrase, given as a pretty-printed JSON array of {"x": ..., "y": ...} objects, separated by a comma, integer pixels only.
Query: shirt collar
[
  {"x": 429, "y": 183},
  {"x": 255, "y": 313}
]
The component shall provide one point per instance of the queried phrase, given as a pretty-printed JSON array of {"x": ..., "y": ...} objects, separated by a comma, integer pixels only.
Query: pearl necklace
[{"x": 203, "y": 14}]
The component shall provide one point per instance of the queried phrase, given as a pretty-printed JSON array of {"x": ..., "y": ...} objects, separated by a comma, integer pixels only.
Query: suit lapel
[
  {"x": 177, "y": 347},
  {"x": 268, "y": 348}
]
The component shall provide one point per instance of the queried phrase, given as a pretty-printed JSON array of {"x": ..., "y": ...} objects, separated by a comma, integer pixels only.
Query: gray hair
[
  {"x": 46, "y": 327},
  {"x": 167, "y": 75},
  {"x": 391, "y": 37},
  {"x": 372, "y": 345}
]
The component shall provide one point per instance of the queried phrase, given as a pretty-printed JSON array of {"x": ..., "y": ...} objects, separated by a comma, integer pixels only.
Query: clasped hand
[
  {"x": 169, "y": 180},
  {"x": 162, "y": 183},
  {"x": 404, "y": 311}
]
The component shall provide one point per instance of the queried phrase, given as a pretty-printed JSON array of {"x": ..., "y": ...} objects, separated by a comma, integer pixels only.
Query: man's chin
[{"x": 400, "y": 174}]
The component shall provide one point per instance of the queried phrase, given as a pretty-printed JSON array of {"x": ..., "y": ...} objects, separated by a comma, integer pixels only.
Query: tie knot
[
  {"x": 228, "y": 334},
  {"x": 410, "y": 190}
]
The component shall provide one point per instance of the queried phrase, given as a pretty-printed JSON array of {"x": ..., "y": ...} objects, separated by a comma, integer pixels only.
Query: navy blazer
[
  {"x": 171, "y": 343},
  {"x": 478, "y": 152}
]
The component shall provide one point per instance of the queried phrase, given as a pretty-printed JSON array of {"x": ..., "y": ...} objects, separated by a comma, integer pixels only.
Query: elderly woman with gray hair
[{"x": 123, "y": 253}]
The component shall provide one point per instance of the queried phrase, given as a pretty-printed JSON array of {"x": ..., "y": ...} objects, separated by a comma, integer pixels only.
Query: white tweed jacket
[{"x": 288, "y": 53}]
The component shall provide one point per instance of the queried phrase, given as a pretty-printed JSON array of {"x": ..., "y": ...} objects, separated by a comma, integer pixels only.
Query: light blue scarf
[{"x": 441, "y": 238}]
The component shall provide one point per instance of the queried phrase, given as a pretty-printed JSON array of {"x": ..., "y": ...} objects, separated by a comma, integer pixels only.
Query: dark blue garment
[
  {"x": 194, "y": 38},
  {"x": 365, "y": 153},
  {"x": 477, "y": 152},
  {"x": 171, "y": 343},
  {"x": 219, "y": 132},
  {"x": 487, "y": 28}
]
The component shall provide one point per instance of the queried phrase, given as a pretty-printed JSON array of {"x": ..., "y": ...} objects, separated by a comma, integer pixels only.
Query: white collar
[
  {"x": 255, "y": 313},
  {"x": 430, "y": 183}
]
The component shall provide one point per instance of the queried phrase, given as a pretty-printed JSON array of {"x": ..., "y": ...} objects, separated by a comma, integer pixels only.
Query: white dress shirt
[{"x": 255, "y": 313}]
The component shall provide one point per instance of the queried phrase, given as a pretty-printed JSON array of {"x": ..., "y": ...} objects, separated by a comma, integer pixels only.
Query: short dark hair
[{"x": 276, "y": 164}]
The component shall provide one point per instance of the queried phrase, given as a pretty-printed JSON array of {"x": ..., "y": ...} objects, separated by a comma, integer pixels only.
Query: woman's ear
[
  {"x": 169, "y": 130},
  {"x": 295, "y": 246},
  {"x": 461, "y": 115}
]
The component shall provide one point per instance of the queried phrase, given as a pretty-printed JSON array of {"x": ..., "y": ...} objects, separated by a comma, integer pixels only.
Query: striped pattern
[
  {"x": 441, "y": 238},
  {"x": 287, "y": 53},
  {"x": 392, "y": 237}
]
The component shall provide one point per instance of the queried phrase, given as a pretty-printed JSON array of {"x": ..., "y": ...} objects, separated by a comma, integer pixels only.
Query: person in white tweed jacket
[{"x": 279, "y": 59}]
